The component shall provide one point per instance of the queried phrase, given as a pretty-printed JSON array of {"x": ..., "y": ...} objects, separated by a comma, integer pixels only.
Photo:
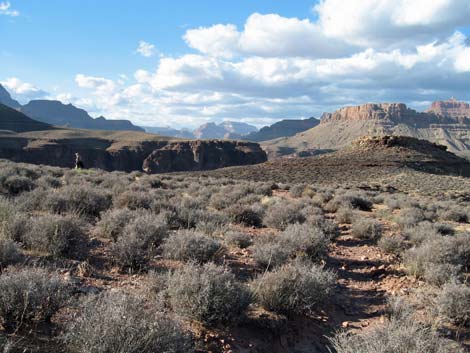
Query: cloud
[
  {"x": 374, "y": 23},
  {"x": 146, "y": 49},
  {"x": 268, "y": 35},
  {"x": 23, "y": 91},
  {"x": 194, "y": 88},
  {"x": 5, "y": 9}
]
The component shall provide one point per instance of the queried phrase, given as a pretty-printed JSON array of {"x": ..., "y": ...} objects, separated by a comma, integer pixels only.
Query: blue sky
[
  {"x": 52, "y": 40},
  {"x": 249, "y": 60}
]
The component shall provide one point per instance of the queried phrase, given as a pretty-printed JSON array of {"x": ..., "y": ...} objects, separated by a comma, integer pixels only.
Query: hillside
[
  {"x": 340, "y": 128},
  {"x": 12, "y": 120},
  {"x": 283, "y": 128},
  {"x": 365, "y": 159}
]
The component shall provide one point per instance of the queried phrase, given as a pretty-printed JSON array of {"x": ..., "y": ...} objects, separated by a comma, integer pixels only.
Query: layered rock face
[
  {"x": 450, "y": 108},
  {"x": 340, "y": 128},
  {"x": 203, "y": 155},
  {"x": 126, "y": 153}
]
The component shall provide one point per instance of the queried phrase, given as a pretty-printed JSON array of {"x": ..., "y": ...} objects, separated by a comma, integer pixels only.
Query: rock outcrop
[
  {"x": 203, "y": 155},
  {"x": 451, "y": 108},
  {"x": 124, "y": 151},
  {"x": 339, "y": 129}
]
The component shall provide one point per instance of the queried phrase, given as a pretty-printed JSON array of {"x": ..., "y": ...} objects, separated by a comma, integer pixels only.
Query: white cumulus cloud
[
  {"x": 5, "y": 9},
  {"x": 146, "y": 49},
  {"x": 23, "y": 91}
]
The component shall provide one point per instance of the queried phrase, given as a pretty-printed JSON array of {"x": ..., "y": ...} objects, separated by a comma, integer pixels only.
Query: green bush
[
  {"x": 116, "y": 322},
  {"x": 30, "y": 295},
  {"x": 208, "y": 294},
  {"x": 295, "y": 288}
]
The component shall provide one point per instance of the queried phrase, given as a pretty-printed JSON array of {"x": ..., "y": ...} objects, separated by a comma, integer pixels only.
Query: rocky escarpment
[
  {"x": 203, "y": 155},
  {"x": 341, "y": 128},
  {"x": 451, "y": 108},
  {"x": 125, "y": 151}
]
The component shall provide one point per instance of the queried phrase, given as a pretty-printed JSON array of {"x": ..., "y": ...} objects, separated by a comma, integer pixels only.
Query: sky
[{"x": 182, "y": 63}]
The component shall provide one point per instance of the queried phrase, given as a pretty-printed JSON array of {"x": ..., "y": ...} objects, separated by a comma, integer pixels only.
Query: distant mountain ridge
[
  {"x": 224, "y": 130},
  {"x": 13, "y": 120},
  {"x": 283, "y": 128},
  {"x": 5, "y": 99},
  {"x": 56, "y": 113},
  {"x": 340, "y": 128}
]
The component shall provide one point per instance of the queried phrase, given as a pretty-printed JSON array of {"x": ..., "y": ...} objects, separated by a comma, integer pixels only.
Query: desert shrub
[
  {"x": 238, "y": 239},
  {"x": 269, "y": 252},
  {"x": 454, "y": 214},
  {"x": 306, "y": 241},
  {"x": 139, "y": 241},
  {"x": 453, "y": 303},
  {"x": 453, "y": 250},
  {"x": 329, "y": 228},
  {"x": 13, "y": 223},
  {"x": 410, "y": 217},
  {"x": 392, "y": 245},
  {"x": 47, "y": 181},
  {"x": 9, "y": 252},
  {"x": 133, "y": 200},
  {"x": 246, "y": 216},
  {"x": 211, "y": 222},
  {"x": 439, "y": 274},
  {"x": 117, "y": 322},
  {"x": 280, "y": 215},
  {"x": 365, "y": 228},
  {"x": 295, "y": 288},
  {"x": 112, "y": 223},
  {"x": 296, "y": 241},
  {"x": 345, "y": 215},
  {"x": 55, "y": 234},
  {"x": 209, "y": 294},
  {"x": 16, "y": 184},
  {"x": 421, "y": 232},
  {"x": 398, "y": 336},
  {"x": 350, "y": 199},
  {"x": 297, "y": 190},
  {"x": 188, "y": 245},
  {"x": 79, "y": 199},
  {"x": 30, "y": 295}
]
